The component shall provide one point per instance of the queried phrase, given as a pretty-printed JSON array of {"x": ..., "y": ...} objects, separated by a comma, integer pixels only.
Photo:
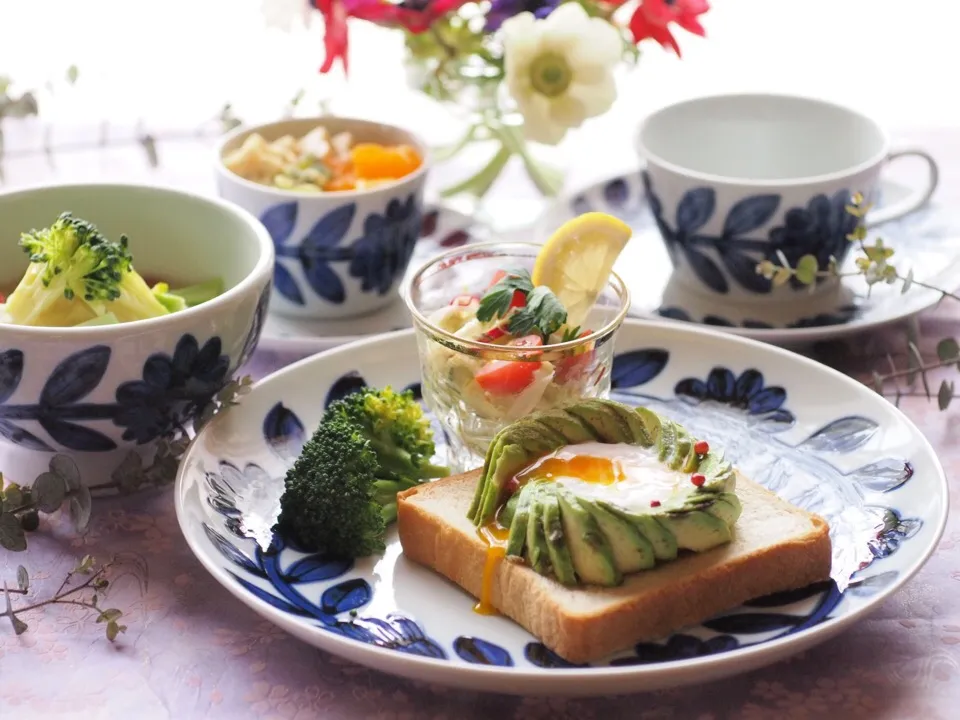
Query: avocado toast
[{"x": 599, "y": 526}]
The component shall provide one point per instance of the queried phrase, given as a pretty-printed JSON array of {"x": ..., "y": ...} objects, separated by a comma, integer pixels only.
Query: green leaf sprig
[
  {"x": 88, "y": 593},
  {"x": 61, "y": 488},
  {"x": 542, "y": 313},
  {"x": 874, "y": 263}
]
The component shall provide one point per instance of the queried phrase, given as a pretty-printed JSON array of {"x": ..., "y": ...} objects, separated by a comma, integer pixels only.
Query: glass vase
[{"x": 491, "y": 146}]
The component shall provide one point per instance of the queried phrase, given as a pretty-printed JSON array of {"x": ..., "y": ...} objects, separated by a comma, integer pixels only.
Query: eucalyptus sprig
[
  {"x": 874, "y": 264},
  {"x": 60, "y": 486},
  {"x": 88, "y": 593}
]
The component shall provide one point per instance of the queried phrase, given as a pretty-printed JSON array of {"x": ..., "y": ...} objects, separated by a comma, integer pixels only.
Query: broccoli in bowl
[{"x": 78, "y": 277}]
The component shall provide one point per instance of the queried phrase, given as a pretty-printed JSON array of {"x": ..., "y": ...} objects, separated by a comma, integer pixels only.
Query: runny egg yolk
[
  {"x": 495, "y": 535},
  {"x": 631, "y": 476},
  {"x": 586, "y": 468}
]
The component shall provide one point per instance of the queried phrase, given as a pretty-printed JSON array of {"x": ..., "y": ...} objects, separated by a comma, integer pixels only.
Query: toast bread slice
[{"x": 776, "y": 547}]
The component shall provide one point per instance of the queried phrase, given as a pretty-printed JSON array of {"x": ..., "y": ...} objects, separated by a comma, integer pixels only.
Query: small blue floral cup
[
  {"x": 338, "y": 254},
  {"x": 733, "y": 180}
]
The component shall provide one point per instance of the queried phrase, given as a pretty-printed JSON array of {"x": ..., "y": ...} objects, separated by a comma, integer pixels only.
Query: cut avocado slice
[
  {"x": 607, "y": 425},
  {"x": 662, "y": 541},
  {"x": 682, "y": 448},
  {"x": 726, "y": 507},
  {"x": 697, "y": 530},
  {"x": 668, "y": 440},
  {"x": 632, "y": 552},
  {"x": 517, "y": 538},
  {"x": 538, "y": 553},
  {"x": 556, "y": 541},
  {"x": 589, "y": 549}
]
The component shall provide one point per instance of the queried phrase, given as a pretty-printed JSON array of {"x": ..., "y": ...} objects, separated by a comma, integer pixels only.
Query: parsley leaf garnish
[
  {"x": 543, "y": 313},
  {"x": 496, "y": 302}
]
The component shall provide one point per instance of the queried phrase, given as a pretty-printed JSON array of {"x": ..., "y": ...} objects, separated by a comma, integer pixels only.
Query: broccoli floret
[
  {"x": 76, "y": 275},
  {"x": 341, "y": 493}
]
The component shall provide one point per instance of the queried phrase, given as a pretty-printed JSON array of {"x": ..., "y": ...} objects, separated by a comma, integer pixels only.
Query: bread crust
[{"x": 776, "y": 547}]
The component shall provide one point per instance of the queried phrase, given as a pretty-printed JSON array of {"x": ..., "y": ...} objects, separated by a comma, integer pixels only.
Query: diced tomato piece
[
  {"x": 3, "y": 298},
  {"x": 507, "y": 377},
  {"x": 493, "y": 334},
  {"x": 464, "y": 300},
  {"x": 570, "y": 368},
  {"x": 519, "y": 299}
]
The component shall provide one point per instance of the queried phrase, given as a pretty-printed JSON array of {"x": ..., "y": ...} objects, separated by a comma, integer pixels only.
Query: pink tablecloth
[{"x": 192, "y": 651}]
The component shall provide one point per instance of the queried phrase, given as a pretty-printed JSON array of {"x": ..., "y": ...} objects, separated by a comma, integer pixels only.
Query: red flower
[
  {"x": 334, "y": 32},
  {"x": 414, "y": 15},
  {"x": 653, "y": 17}
]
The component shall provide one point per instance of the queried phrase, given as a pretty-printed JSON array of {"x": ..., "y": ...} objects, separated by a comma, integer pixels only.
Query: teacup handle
[{"x": 916, "y": 199}]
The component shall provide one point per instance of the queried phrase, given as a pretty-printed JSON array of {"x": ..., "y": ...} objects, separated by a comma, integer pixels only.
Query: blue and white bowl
[
  {"x": 95, "y": 393},
  {"x": 338, "y": 254}
]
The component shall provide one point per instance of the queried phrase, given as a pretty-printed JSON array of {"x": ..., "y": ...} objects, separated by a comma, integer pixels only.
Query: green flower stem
[
  {"x": 480, "y": 183},
  {"x": 547, "y": 179},
  {"x": 444, "y": 153}
]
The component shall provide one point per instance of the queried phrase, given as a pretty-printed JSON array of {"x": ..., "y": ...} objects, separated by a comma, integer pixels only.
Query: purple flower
[{"x": 501, "y": 10}]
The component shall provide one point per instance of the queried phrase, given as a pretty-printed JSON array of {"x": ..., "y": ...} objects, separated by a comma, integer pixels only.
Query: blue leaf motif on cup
[
  {"x": 173, "y": 388},
  {"x": 280, "y": 221},
  {"x": 820, "y": 229},
  {"x": 321, "y": 246},
  {"x": 695, "y": 209},
  {"x": 314, "y": 253},
  {"x": 746, "y": 216},
  {"x": 381, "y": 254}
]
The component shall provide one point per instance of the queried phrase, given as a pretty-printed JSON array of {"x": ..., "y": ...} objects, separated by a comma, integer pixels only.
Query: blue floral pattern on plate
[
  {"x": 742, "y": 411},
  {"x": 171, "y": 390},
  {"x": 379, "y": 257}
]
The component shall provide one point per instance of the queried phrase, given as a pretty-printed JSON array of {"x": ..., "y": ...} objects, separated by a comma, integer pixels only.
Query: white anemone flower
[{"x": 559, "y": 70}]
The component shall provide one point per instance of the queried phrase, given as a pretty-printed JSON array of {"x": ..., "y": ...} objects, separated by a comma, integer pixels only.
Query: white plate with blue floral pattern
[
  {"x": 927, "y": 241},
  {"x": 818, "y": 438},
  {"x": 441, "y": 229}
]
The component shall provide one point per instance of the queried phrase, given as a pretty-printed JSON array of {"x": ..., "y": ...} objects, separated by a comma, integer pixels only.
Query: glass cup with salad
[{"x": 495, "y": 346}]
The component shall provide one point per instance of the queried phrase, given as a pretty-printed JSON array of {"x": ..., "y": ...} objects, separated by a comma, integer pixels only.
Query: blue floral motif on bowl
[{"x": 171, "y": 390}]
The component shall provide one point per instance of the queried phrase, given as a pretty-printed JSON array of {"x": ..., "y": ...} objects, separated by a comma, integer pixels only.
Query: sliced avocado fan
[{"x": 590, "y": 541}]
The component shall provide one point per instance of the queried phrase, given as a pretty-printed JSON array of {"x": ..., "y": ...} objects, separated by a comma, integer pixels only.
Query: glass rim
[{"x": 620, "y": 287}]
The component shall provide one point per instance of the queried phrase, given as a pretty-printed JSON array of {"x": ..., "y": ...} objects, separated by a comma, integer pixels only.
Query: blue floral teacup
[
  {"x": 338, "y": 254},
  {"x": 98, "y": 393},
  {"x": 733, "y": 180}
]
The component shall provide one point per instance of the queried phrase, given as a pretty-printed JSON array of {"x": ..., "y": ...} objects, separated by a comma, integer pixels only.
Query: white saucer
[
  {"x": 927, "y": 241},
  {"x": 443, "y": 229}
]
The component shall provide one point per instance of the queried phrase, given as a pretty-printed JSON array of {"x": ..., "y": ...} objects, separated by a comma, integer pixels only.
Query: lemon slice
[{"x": 575, "y": 263}]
